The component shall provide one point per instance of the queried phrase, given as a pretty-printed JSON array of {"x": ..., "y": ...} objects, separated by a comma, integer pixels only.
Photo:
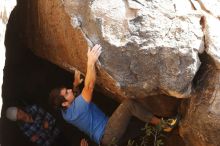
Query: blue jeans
[{"x": 119, "y": 120}]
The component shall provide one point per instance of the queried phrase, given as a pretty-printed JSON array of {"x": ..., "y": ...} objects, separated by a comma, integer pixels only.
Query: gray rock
[
  {"x": 211, "y": 6},
  {"x": 140, "y": 52},
  {"x": 212, "y": 37},
  {"x": 150, "y": 50}
]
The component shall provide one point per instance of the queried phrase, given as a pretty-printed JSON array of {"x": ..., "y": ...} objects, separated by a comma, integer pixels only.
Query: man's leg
[{"x": 119, "y": 120}]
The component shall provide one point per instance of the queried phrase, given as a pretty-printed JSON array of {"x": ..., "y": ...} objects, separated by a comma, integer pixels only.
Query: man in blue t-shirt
[{"x": 81, "y": 112}]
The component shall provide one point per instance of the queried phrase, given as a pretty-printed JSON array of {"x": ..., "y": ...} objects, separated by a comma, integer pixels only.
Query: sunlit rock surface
[
  {"x": 6, "y": 6},
  {"x": 148, "y": 48},
  {"x": 210, "y": 6},
  {"x": 212, "y": 37}
]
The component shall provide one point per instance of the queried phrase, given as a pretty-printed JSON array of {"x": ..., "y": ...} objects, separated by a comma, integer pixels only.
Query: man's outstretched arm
[{"x": 93, "y": 55}]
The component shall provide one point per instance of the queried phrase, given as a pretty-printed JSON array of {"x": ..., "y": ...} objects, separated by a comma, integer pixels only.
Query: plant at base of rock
[
  {"x": 151, "y": 134},
  {"x": 152, "y": 131},
  {"x": 132, "y": 143}
]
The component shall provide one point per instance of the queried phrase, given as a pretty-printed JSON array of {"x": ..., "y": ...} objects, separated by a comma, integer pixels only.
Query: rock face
[
  {"x": 212, "y": 7},
  {"x": 201, "y": 123},
  {"x": 5, "y": 9},
  {"x": 147, "y": 46},
  {"x": 150, "y": 49},
  {"x": 212, "y": 36}
]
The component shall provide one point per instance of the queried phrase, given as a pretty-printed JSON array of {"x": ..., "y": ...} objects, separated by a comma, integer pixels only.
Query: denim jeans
[{"x": 119, "y": 120}]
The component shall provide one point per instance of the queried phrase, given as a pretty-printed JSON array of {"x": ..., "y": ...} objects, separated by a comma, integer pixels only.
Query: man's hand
[
  {"x": 77, "y": 79},
  {"x": 83, "y": 142},
  {"x": 93, "y": 54}
]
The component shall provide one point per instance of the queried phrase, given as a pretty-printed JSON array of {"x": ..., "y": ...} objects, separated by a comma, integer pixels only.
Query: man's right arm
[{"x": 90, "y": 78}]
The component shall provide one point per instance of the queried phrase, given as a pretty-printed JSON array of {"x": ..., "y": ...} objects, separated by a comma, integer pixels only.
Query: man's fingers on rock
[
  {"x": 93, "y": 50},
  {"x": 99, "y": 51},
  {"x": 81, "y": 80},
  {"x": 96, "y": 46},
  {"x": 89, "y": 49},
  {"x": 77, "y": 73}
]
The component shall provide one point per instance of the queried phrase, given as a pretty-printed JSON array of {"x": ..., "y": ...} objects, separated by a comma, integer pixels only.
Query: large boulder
[
  {"x": 148, "y": 48},
  {"x": 150, "y": 53}
]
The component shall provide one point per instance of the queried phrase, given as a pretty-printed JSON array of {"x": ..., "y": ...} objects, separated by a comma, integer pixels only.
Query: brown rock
[
  {"x": 140, "y": 52},
  {"x": 150, "y": 48},
  {"x": 201, "y": 124}
]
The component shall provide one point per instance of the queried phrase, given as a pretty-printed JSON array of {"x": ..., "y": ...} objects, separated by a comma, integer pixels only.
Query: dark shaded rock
[{"x": 200, "y": 125}]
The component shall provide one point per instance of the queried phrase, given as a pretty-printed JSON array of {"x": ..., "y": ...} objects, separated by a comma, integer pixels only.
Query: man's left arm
[{"x": 77, "y": 81}]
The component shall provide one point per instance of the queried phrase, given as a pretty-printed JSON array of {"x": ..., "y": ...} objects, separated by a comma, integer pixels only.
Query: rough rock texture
[
  {"x": 210, "y": 6},
  {"x": 5, "y": 9},
  {"x": 201, "y": 124},
  {"x": 150, "y": 50},
  {"x": 212, "y": 37},
  {"x": 140, "y": 52}
]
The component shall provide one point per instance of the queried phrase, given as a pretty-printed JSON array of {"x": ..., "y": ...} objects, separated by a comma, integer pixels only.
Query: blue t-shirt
[{"x": 87, "y": 117}]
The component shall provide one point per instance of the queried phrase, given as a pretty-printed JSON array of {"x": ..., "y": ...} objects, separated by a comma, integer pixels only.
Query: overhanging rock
[{"x": 148, "y": 48}]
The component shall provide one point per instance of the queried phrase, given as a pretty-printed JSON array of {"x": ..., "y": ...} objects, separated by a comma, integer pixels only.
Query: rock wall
[
  {"x": 150, "y": 49},
  {"x": 147, "y": 46},
  {"x": 200, "y": 125}
]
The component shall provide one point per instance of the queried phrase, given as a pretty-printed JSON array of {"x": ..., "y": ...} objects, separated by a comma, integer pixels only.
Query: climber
[
  {"x": 39, "y": 126},
  {"x": 81, "y": 112}
]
